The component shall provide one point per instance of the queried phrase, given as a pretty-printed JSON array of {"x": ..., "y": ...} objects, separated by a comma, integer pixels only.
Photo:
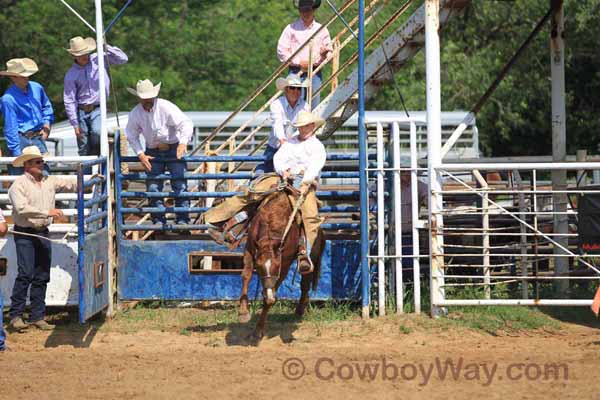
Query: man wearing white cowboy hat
[
  {"x": 82, "y": 91},
  {"x": 166, "y": 131},
  {"x": 302, "y": 156},
  {"x": 32, "y": 196},
  {"x": 27, "y": 110},
  {"x": 284, "y": 111},
  {"x": 296, "y": 34}
]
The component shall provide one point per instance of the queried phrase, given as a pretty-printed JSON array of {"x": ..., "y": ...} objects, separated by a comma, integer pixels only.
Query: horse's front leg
[
  {"x": 259, "y": 331},
  {"x": 304, "y": 299},
  {"x": 244, "y": 313}
]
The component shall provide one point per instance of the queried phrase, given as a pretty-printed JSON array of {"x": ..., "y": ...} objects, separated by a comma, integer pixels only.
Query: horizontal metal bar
[
  {"x": 238, "y": 175},
  {"x": 509, "y": 234},
  {"x": 94, "y": 201},
  {"x": 145, "y": 210},
  {"x": 166, "y": 227},
  {"x": 95, "y": 161},
  {"x": 503, "y": 255},
  {"x": 171, "y": 227},
  {"x": 12, "y": 178},
  {"x": 95, "y": 217},
  {"x": 59, "y": 196},
  {"x": 158, "y": 210},
  {"x": 515, "y": 302},
  {"x": 92, "y": 182},
  {"x": 494, "y": 192},
  {"x": 329, "y": 194},
  {"x": 520, "y": 166},
  {"x": 53, "y": 160},
  {"x": 330, "y": 157},
  {"x": 508, "y": 277},
  {"x": 397, "y": 256}
]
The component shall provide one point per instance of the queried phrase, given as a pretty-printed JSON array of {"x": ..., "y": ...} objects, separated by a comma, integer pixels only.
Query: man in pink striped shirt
[{"x": 296, "y": 34}]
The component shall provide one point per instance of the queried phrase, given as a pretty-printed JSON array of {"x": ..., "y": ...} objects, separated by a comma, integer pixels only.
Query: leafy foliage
[{"x": 210, "y": 55}]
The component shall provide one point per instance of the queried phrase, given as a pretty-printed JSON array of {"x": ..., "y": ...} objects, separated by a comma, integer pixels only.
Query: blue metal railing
[{"x": 121, "y": 195}]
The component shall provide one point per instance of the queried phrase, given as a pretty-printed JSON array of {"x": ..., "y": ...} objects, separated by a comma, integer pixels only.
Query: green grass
[{"x": 342, "y": 318}]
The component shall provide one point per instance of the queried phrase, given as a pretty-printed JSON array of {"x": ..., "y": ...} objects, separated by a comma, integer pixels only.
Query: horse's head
[{"x": 267, "y": 261}]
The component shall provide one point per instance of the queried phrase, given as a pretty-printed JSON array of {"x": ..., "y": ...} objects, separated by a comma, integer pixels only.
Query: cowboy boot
[{"x": 305, "y": 265}]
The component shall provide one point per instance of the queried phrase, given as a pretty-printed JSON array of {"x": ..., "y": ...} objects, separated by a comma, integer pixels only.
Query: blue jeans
[
  {"x": 177, "y": 170},
  {"x": 267, "y": 166},
  {"x": 89, "y": 124},
  {"x": 24, "y": 141},
  {"x": 34, "y": 256},
  {"x": 316, "y": 84},
  {"x": 2, "y": 333}
]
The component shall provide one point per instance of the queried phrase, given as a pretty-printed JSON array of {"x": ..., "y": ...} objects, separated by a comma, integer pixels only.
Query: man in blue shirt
[{"x": 27, "y": 110}]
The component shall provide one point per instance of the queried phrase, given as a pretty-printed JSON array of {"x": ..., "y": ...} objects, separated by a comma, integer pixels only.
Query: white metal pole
[
  {"x": 559, "y": 135},
  {"x": 397, "y": 204},
  {"x": 434, "y": 144},
  {"x": 380, "y": 223},
  {"x": 485, "y": 225},
  {"x": 101, "y": 78},
  {"x": 104, "y": 149},
  {"x": 415, "y": 206}
]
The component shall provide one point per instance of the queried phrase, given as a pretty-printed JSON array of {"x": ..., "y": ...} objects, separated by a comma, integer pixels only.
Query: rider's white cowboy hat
[
  {"x": 292, "y": 80},
  {"x": 79, "y": 46},
  {"x": 145, "y": 89},
  {"x": 23, "y": 67},
  {"x": 305, "y": 117},
  {"x": 29, "y": 153}
]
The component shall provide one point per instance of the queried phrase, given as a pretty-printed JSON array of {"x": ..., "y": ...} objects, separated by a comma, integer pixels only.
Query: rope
[
  {"x": 61, "y": 241},
  {"x": 291, "y": 220}
]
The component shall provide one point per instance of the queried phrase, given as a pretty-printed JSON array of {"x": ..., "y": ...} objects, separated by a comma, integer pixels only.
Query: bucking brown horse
[{"x": 272, "y": 259}]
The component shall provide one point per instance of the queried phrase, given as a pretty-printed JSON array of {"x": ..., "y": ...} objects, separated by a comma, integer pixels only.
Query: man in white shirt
[
  {"x": 299, "y": 32},
  {"x": 166, "y": 131},
  {"x": 284, "y": 111},
  {"x": 302, "y": 155}
]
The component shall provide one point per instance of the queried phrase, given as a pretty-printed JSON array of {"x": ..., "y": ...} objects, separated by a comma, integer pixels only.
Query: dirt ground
[{"x": 393, "y": 357}]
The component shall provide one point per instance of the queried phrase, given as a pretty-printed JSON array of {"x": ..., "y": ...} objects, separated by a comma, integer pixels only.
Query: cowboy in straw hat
[
  {"x": 283, "y": 114},
  {"x": 27, "y": 110},
  {"x": 301, "y": 158},
  {"x": 166, "y": 131},
  {"x": 32, "y": 196},
  {"x": 295, "y": 35},
  {"x": 81, "y": 93}
]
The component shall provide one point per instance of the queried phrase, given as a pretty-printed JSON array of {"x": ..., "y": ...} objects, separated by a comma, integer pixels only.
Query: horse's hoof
[{"x": 244, "y": 318}]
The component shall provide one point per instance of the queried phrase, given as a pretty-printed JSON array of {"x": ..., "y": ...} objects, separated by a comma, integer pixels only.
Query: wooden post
[
  {"x": 335, "y": 64},
  {"x": 310, "y": 75}
]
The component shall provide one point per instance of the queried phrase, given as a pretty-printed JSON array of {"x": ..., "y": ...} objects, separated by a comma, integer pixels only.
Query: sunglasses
[
  {"x": 37, "y": 162},
  {"x": 294, "y": 88}
]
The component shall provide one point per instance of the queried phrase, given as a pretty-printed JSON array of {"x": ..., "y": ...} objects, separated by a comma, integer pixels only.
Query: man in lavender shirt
[{"x": 82, "y": 91}]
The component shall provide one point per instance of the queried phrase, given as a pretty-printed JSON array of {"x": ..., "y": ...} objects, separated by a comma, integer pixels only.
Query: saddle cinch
[{"x": 236, "y": 228}]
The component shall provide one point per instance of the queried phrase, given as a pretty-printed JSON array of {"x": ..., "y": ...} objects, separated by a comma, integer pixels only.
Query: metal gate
[{"x": 92, "y": 221}]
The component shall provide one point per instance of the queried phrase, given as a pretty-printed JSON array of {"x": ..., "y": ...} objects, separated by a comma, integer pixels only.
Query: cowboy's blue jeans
[
  {"x": 267, "y": 166},
  {"x": 89, "y": 124},
  {"x": 34, "y": 257},
  {"x": 2, "y": 333},
  {"x": 178, "y": 185}
]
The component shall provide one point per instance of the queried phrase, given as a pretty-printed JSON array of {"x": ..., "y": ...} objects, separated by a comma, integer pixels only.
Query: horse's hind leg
[
  {"x": 244, "y": 313},
  {"x": 304, "y": 286}
]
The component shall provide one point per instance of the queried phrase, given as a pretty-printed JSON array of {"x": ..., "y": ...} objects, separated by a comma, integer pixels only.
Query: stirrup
[{"x": 305, "y": 265}]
